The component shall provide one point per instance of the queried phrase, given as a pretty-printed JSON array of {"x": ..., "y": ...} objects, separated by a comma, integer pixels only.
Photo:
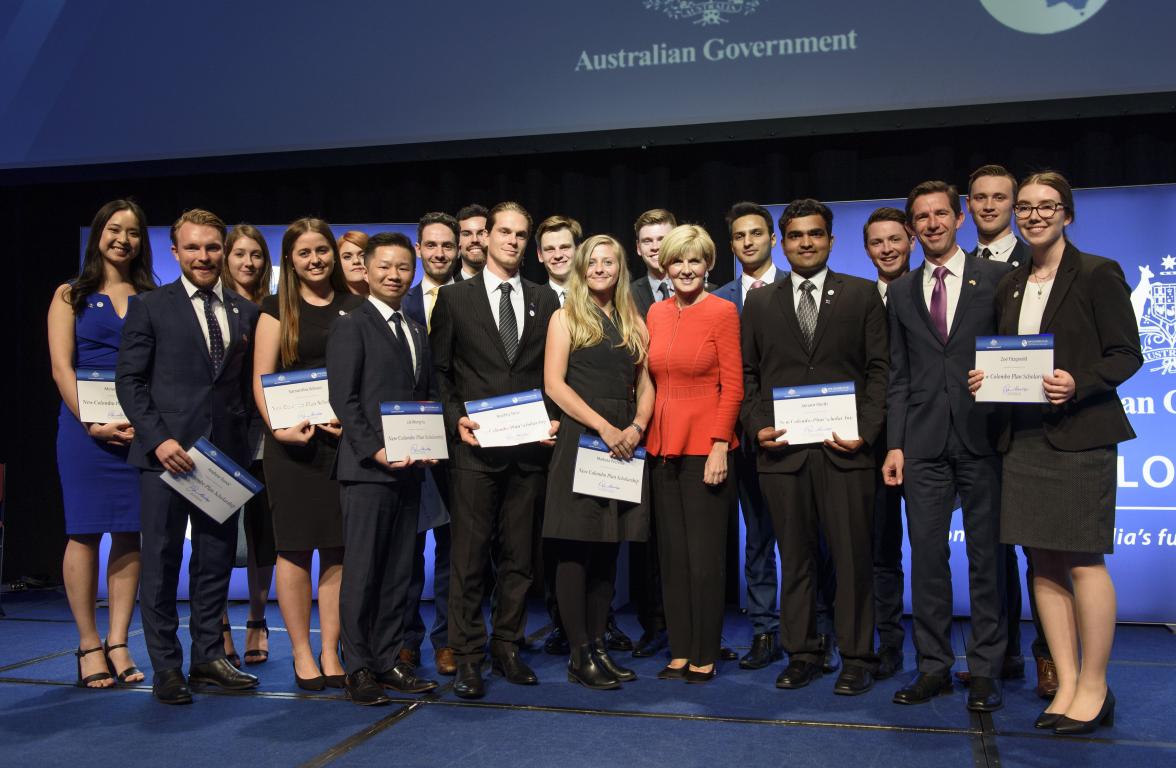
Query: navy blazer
[
  {"x": 928, "y": 392},
  {"x": 1018, "y": 256},
  {"x": 165, "y": 382},
  {"x": 413, "y": 304},
  {"x": 367, "y": 365}
]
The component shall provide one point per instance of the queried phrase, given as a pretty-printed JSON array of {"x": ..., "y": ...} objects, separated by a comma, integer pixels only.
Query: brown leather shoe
[
  {"x": 1047, "y": 678},
  {"x": 410, "y": 657},
  {"x": 445, "y": 662}
]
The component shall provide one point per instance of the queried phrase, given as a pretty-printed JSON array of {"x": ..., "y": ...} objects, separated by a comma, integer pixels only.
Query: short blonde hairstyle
[
  {"x": 684, "y": 240},
  {"x": 199, "y": 217}
]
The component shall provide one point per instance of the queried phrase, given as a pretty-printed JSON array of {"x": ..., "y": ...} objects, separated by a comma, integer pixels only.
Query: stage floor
[{"x": 739, "y": 718}]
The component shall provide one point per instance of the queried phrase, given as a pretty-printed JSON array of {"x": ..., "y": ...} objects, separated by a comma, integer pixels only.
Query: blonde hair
[
  {"x": 684, "y": 240},
  {"x": 582, "y": 313}
]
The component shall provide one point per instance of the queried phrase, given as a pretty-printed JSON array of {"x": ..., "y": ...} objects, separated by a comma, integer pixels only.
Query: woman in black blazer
[{"x": 1059, "y": 471}]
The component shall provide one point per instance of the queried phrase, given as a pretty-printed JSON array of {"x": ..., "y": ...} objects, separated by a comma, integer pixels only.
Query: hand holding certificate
[
  {"x": 97, "y": 400},
  {"x": 815, "y": 412},
  {"x": 292, "y": 397},
  {"x": 215, "y": 484},
  {"x": 599, "y": 474},
  {"x": 413, "y": 429},
  {"x": 510, "y": 419},
  {"x": 1014, "y": 367}
]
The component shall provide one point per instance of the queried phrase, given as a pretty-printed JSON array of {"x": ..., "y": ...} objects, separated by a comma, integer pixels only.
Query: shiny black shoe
[
  {"x": 726, "y": 654},
  {"x": 365, "y": 690},
  {"x": 650, "y": 643},
  {"x": 402, "y": 678},
  {"x": 220, "y": 673},
  {"x": 331, "y": 681},
  {"x": 316, "y": 683},
  {"x": 853, "y": 681},
  {"x": 599, "y": 651},
  {"x": 673, "y": 673},
  {"x": 764, "y": 651},
  {"x": 170, "y": 687},
  {"x": 984, "y": 694},
  {"x": 584, "y": 668},
  {"x": 831, "y": 659},
  {"x": 1047, "y": 720},
  {"x": 697, "y": 676},
  {"x": 511, "y": 666},
  {"x": 1067, "y": 726},
  {"x": 889, "y": 662},
  {"x": 923, "y": 688},
  {"x": 467, "y": 681},
  {"x": 798, "y": 674},
  {"x": 556, "y": 643},
  {"x": 615, "y": 637}
]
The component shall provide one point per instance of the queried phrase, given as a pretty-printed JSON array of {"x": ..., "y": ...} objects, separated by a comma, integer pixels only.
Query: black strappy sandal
[
  {"x": 259, "y": 656},
  {"x": 232, "y": 658},
  {"x": 121, "y": 677},
  {"x": 84, "y": 682}
]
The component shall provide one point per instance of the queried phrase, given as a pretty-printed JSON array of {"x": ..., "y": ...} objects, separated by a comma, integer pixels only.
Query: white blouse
[{"x": 1033, "y": 307}]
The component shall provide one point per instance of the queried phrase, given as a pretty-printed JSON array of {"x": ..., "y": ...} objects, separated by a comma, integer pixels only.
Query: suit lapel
[
  {"x": 374, "y": 315},
  {"x": 968, "y": 283},
  {"x": 233, "y": 313},
  {"x": 788, "y": 309},
  {"x": 827, "y": 305},
  {"x": 530, "y": 320},
  {"x": 1067, "y": 271},
  {"x": 916, "y": 288},
  {"x": 483, "y": 316}
]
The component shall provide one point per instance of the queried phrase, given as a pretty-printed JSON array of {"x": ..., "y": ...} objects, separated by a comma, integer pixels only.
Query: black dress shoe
[
  {"x": 698, "y": 676},
  {"x": 1047, "y": 720},
  {"x": 923, "y": 688},
  {"x": 831, "y": 660},
  {"x": 764, "y": 651},
  {"x": 316, "y": 683},
  {"x": 726, "y": 654},
  {"x": 798, "y": 674},
  {"x": 1013, "y": 668},
  {"x": 650, "y": 643},
  {"x": 220, "y": 673},
  {"x": 1067, "y": 726},
  {"x": 467, "y": 681},
  {"x": 402, "y": 678},
  {"x": 556, "y": 643},
  {"x": 170, "y": 687},
  {"x": 853, "y": 681},
  {"x": 364, "y": 689},
  {"x": 511, "y": 666},
  {"x": 984, "y": 694},
  {"x": 599, "y": 650},
  {"x": 615, "y": 637},
  {"x": 673, "y": 673},
  {"x": 889, "y": 662},
  {"x": 584, "y": 668},
  {"x": 332, "y": 681}
]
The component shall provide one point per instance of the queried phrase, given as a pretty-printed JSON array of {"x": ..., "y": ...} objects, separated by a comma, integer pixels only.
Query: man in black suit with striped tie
[{"x": 488, "y": 339}]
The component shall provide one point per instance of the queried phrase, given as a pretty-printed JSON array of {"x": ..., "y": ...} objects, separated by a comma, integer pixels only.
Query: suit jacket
[
  {"x": 1096, "y": 340},
  {"x": 413, "y": 304},
  {"x": 643, "y": 295},
  {"x": 849, "y": 344},
  {"x": 165, "y": 382},
  {"x": 471, "y": 364},
  {"x": 1017, "y": 257},
  {"x": 367, "y": 365}
]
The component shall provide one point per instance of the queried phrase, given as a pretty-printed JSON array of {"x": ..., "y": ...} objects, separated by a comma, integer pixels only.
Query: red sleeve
[{"x": 726, "y": 339}]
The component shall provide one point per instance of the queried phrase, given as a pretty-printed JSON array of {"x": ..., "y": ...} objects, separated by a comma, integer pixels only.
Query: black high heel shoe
[
  {"x": 1067, "y": 726},
  {"x": 1047, "y": 720},
  {"x": 84, "y": 682},
  {"x": 332, "y": 681},
  {"x": 121, "y": 677},
  {"x": 308, "y": 683},
  {"x": 258, "y": 655}
]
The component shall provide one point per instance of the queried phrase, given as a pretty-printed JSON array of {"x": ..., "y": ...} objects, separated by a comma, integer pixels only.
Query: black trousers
[
  {"x": 585, "y": 576},
  {"x": 692, "y": 544},
  {"x": 492, "y": 521},
  {"x": 888, "y": 576},
  {"x": 165, "y": 517},
  {"x": 931, "y": 487},
  {"x": 379, "y": 536},
  {"x": 822, "y": 498}
]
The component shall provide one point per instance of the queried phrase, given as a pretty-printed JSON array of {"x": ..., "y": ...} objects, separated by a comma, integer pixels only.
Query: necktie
[
  {"x": 939, "y": 303},
  {"x": 430, "y": 302},
  {"x": 986, "y": 254},
  {"x": 562, "y": 295},
  {"x": 216, "y": 342},
  {"x": 508, "y": 327},
  {"x": 664, "y": 290},
  {"x": 806, "y": 313},
  {"x": 402, "y": 337},
  {"x": 756, "y": 284}
]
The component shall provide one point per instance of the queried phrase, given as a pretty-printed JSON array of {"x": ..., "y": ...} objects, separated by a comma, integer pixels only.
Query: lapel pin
[
  {"x": 236, "y": 311},
  {"x": 531, "y": 313},
  {"x": 342, "y": 312},
  {"x": 830, "y": 291},
  {"x": 101, "y": 304},
  {"x": 1016, "y": 294},
  {"x": 971, "y": 282}
]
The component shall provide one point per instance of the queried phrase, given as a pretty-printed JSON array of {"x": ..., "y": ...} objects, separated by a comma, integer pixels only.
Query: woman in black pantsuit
[{"x": 594, "y": 371}]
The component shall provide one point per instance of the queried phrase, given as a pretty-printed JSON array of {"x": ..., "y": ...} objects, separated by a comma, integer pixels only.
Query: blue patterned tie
[{"x": 216, "y": 342}]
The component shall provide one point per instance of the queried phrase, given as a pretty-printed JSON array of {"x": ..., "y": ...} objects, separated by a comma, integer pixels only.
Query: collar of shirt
[
  {"x": 493, "y": 281},
  {"x": 768, "y": 278},
  {"x": 557, "y": 289},
  {"x": 191, "y": 288},
  {"x": 882, "y": 289},
  {"x": 1000, "y": 249},
  {"x": 384, "y": 310},
  {"x": 955, "y": 266},
  {"x": 817, "y": 280},
  {"x": 654, "y": 283},
  {"x": 428, "y": 282},
  {"x": 465, "y": 274}
]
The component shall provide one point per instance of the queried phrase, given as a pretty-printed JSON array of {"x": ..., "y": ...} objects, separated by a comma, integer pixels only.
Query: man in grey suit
[{"x": 942, "y": 445}]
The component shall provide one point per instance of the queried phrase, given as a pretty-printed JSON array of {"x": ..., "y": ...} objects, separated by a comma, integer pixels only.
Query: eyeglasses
[{"x": 1045, "y": 210}]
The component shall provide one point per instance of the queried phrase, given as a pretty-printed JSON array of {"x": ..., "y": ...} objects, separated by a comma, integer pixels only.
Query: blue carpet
[{"x": 1076, "y": 752}]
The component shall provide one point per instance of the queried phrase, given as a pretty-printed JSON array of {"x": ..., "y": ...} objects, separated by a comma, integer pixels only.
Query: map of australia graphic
[{"x": 1078, "y": 5}]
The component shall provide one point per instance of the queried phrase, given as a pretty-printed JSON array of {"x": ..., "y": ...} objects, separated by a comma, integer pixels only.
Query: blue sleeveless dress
[{"x": 99, "y": 489}]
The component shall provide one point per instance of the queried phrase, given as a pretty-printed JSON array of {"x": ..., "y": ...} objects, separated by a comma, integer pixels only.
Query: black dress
[
  {"x": 605, "y": 376},
  {"x": 303, "y": 497}
]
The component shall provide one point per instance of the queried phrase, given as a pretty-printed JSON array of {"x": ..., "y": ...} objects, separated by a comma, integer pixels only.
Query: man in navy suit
[
  {"x": 942, "y": 445},
  {"x": 185, "y": 372},
  {"x": 436, "y": 247}
]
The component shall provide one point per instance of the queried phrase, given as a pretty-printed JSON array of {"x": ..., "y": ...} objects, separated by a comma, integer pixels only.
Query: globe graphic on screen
[{"x": 1042, "y": 17}]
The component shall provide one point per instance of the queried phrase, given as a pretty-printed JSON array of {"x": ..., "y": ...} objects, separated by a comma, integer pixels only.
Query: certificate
[
  {"x": 97, "y": 400},
  {"x": 1013, "y": 368},
  {"x": 598, "y": 474},
  {"x": 294, "y": 396},
  {"x": 510, "y": 419},
  {"x": 812, "y": 413},
  {"x": 413, "y": 429},
  {"x": 217, "y": 485}
]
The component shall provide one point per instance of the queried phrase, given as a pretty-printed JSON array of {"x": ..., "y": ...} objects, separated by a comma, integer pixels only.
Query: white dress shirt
[
  {"x": 429, "y": 290},
  {"x": 654, "y": 283},
  {"x": 883, "y": 289},
  {"x": 817, "y": 280},
  {"x": 386, "y": 313},
  {"x": 218, "y": 309},
  {"x": 746, "y": 280},
  {"x": 560, "y": 291},
  {"x": 1000, "y": 249},
  {"x": 953, "y": 281},
  {"x": 495, "y": 296}
]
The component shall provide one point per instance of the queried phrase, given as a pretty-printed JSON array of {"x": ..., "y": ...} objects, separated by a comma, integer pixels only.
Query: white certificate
[
  {"x": 217, "y": 485},
  {"x": 598, "y": 474},
  {"x": 294, "y": 396},
  {"x": 510, "y": 419},
  {"x": 413, "y": 429},
  {"x": 97, "y": 400},
  {"x": 1013, "y": 367},
  {"x": 812, "y": 413}
]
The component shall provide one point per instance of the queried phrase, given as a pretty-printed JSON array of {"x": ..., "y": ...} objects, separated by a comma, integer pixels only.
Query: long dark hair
[
  {"x": 288, "y": 282},
  {"x": 93, "y": 273}
]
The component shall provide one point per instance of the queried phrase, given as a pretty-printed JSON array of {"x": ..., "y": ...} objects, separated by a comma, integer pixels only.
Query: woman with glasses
[{"x": 1059, "y": 469}]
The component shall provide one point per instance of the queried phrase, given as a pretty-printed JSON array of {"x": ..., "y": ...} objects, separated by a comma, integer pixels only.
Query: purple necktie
[{"x": 939, "y": 303}]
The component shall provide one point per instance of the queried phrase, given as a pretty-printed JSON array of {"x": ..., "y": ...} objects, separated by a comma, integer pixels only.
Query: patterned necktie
[
  {"x": 508, "y": 327},
  {"x": 986, "y": 254},
  {"x": 939, "y": 303},
  {"x": 398, "y": 322},
  {"x": 806, "y": 313},
  {"x": 429, "y": 304},
  {"x": 664, "y": 290},
  {"x": 216, "y": 342}
]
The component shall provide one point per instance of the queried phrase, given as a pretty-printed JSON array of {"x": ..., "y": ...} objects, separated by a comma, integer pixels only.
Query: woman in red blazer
[{"x": 696, "y": 366}]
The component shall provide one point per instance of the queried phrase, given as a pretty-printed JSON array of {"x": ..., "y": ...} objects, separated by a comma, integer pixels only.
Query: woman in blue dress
[{"x": 99, "y": 489}]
